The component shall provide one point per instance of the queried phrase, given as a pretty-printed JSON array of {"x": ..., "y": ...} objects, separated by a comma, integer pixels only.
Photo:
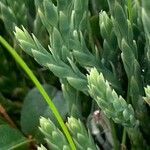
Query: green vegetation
[{"x": 90, "y": 84}]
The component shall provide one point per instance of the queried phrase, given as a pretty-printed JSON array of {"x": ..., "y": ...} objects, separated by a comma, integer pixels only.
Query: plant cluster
[{"x": 100, "y": 53}]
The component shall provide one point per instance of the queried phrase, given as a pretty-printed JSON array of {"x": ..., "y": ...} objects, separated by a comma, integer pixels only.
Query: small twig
[
  {"x": 6, "y": 116},
  {"x": 32, "y": 142}
]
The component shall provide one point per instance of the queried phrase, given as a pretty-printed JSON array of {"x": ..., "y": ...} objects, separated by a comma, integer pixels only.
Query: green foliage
[
  {"x": 110, "y": 42},
  {"x": 145, "y": 21},
  {"x": 100, "y": 52},
  {"x": 113, "y": 106},
  {"x": 82, "y": 138},
  {"x": 12, "y": 139},
  {"x": 56, "y": 140},
  {"x": 51, "y": 61},
  {"x": 53, "y": 136},
  {"x": 73, "y": 100},
  {"x": 13, "y": 13},
  {"x": 34, "y": 106},
  {"x": 147, "y": 98}
]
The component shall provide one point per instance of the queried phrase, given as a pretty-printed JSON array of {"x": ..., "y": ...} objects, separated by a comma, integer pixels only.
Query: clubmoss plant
[
  {"x": 53, "y": 136},
  {"x": 113, "y": 106},
  {"x": 108, "y": 70}
]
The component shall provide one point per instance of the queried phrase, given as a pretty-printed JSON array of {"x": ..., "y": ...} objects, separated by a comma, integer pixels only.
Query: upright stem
[
  {"x": 123, "y": 143},
  {"x": 130, "y": 10},
  {"x": 114, "y": 136}
]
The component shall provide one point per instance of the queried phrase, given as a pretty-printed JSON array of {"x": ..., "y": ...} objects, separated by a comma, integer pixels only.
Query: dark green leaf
[{"x": 12, "y": 139}]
